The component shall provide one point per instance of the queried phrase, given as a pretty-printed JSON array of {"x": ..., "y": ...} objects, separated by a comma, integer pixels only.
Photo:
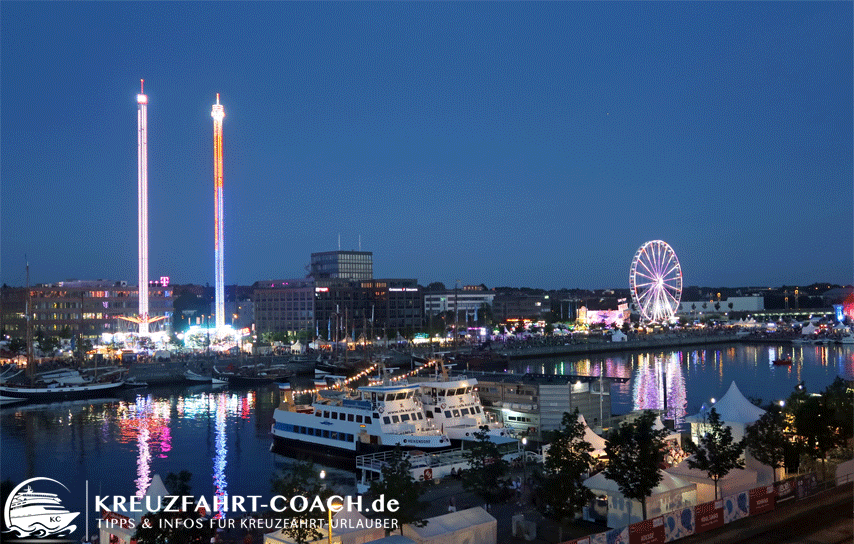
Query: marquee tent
[
  {"x": 123, "y": 531},
  {"x": 471, "y": 526},
  {"x": 348, "y": 527},
  {"x": 735, "y": 411},
  {"x": 736, "y": 481},
  {"x": 671, "y": 493}
]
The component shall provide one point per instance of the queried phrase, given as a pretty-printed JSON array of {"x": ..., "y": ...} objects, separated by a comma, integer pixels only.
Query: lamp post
[
  {"x": 330, "y": 506},
  {"x": 524, "y": 465}
]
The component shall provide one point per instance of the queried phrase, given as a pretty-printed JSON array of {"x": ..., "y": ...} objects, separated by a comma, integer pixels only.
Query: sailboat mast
[{"x": 31, "y": 371}]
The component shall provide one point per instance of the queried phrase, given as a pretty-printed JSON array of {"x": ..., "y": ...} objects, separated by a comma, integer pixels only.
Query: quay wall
[{"x": 629, "y": 345}]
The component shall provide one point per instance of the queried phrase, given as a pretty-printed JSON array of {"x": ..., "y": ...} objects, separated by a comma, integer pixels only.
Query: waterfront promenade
[{"x": 675, "y": 340}]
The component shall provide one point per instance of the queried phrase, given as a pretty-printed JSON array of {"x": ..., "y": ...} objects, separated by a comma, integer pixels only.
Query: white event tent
[
  {"x": 671, "y": 493},
  {"x": 470, "y": 526},
  {"x": 735, "y": 411},
  {"x": 124, "y": 534},
  {"x": 348, "y": 527},
  {"x": 736, "y": 481}
]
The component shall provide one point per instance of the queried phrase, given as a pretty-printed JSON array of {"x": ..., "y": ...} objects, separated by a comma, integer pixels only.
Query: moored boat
[
  {"x": 56, "y": 392},
  {"x": 338, "y": 425}
]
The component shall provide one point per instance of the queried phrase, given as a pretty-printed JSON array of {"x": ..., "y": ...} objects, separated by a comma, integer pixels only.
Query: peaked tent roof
[
  {"x": 668, "y": 482},
  {"x": 594, "y": 439},
  {"x": 733, "y": 408}
]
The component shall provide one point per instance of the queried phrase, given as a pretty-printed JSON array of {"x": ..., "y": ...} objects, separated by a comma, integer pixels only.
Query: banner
[
  {"x": 585, "y": 540},
  {"x": 785, "y": 490},
  {"x": 806, "y": 485},
  {"x": 614, "y": 536},
  {"x": 678, "y": 524},
  {"x": 650, "y": 531},
  {"x": 736, "y": 507},
  {"x": 709, "y": 515},
  {"x": 762, "y": 499}
]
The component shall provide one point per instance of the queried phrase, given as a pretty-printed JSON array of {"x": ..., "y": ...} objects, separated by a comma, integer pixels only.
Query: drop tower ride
[{"x": 218, "y": 113}]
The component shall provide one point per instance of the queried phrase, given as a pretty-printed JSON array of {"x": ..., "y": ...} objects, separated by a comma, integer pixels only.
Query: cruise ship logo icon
[{"x": 30, "y": 513}]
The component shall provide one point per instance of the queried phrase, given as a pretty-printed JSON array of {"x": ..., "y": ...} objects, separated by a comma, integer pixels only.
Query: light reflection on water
[
  {"x": 222, "y": 437},
  {"x": 692, "y": 376}
]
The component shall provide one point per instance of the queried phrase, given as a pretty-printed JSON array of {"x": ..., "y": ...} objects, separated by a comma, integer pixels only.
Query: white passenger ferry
[
  {"x": 454, "y": 406},
  {"x": 340, "y": 426}
]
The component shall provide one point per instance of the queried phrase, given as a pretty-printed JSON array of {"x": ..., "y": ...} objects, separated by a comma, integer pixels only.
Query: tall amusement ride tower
[
  {"x": 142, "y": 185},
  {"x": 218, "y": 113}
]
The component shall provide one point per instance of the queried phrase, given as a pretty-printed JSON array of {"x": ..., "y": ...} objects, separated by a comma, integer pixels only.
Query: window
[
  {"x": 395, "y": 419},
  {"x": 326, "y": 414},
  {"x": 350, "y": 417},
  {"x": 325, "y": 433},
  {"x": 448, "y": 414},
  {"x": 464, "y": 411},
  {"x": 386, "y": 420},
  {"x": 334, "y": 415},
  {"x": 368, "y": 420},
  {"x": 358, "y": 419},
  {"x": 404, "y": 417}
]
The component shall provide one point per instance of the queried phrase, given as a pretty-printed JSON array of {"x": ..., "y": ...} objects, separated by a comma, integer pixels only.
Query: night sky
[{"x": 510, "y": 144}]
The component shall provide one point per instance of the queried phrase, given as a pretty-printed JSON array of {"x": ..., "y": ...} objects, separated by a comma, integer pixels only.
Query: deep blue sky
[{"x": 535, "y": 144}]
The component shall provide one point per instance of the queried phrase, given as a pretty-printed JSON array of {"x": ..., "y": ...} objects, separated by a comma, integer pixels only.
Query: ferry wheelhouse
[{"x": 341, "y": 425}]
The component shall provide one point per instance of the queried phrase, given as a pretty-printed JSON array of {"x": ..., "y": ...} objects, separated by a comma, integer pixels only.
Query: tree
[
  {"x": 634, "y": 451},
  {"x": 397, "y": 483},
  {"x": 157, "y": 531},
  {"x": 563, "y": 493},
  {"x": 178, "y": 484},
  {"x": 816, "y": 426},
  {"x": 766, "y": 441},
  {"x": 302, "y": 480},
  {"x": 717, "y": 453},
  {"x": 486, "y": 467}
]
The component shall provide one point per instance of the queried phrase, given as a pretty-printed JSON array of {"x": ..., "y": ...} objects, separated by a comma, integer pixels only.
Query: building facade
[
  {"x": 534, "y": 404},
  {"x": 85, "y": 308},
  {"x": 348, "y": 265},
  {"x": 467, "y": 302},
  {"x": 520, "y": 306},
  {"x": 338, "y": 309}
]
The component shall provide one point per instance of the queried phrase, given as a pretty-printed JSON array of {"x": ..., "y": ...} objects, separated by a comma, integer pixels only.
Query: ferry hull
[{"x": 324, "y": 454}]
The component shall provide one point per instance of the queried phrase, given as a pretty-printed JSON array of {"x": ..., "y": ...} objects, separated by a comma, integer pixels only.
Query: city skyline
[{"x": 507, "y": 144}]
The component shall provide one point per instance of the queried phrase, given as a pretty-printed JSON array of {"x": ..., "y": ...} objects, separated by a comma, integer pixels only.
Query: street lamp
[
  {"x": 524, "y": 465},
  {"x": 332, "y": 504}
]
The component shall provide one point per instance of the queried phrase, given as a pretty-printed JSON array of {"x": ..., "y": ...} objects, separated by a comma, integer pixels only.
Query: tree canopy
[
  {"x": 568, "y": 459},
  {"x": 766, "y": 441},
  {"x": 302, "y": 480},
  {"x": 486, "y": 467},
  {"x": 635, "y": 450},
  {"x": 397, "y": 483},
  {"x": 717, "y": 453}
]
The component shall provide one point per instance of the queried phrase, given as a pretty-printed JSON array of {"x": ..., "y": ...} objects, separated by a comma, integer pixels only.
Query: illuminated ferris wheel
[{"x": 656, "y": 281}]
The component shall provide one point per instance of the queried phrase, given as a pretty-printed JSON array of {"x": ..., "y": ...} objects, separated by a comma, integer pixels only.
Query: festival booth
[
  {"x": 736, "y": 481},
  {"x": 471, "y": 526},
  {"x": 738, "y": 413},
  {"x": 348, "y": 527},
  {"x": 590, "y": 437},
  {"x": 670, "y": 494},
  {"x": 808, "y": 329},
  {"x": 735, "y": 411},
  {"x": 120, "y": 528}
]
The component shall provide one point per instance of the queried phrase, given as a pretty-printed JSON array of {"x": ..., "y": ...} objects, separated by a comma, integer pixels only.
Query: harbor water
[{"x": 223, "y": 436}]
